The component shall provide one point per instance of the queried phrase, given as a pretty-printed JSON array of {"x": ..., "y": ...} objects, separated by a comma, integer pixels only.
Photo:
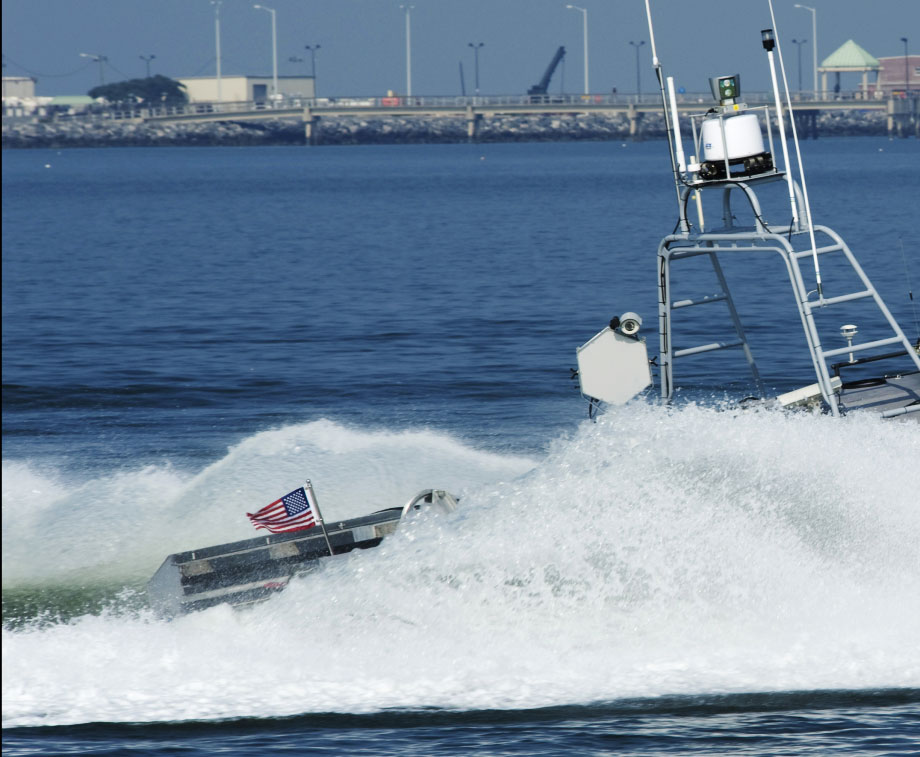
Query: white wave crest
[
  {"x": 120, "y": 526},
  {"x": 654, "y": 552}
]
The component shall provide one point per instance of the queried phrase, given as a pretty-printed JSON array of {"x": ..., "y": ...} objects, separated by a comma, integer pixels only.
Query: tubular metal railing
[{"x": 318, "y": 104}]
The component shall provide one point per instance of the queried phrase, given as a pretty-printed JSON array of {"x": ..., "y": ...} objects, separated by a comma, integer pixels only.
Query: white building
[
  {"x": 245, "y": 88},
  {"x": 22, "y": 87}
]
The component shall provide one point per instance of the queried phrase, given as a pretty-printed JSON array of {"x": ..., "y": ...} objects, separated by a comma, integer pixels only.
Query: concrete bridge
[{"x": 902, "y": 113}]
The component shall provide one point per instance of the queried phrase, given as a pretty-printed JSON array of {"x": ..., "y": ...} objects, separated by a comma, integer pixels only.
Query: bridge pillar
[
  {"x": 310, "y": 127},
  {"x": 633, "y": 115},
  {"x": 806, "y": 122},
  {"x": 472, "y": 124},
  {"x": 904, "y": 116}
]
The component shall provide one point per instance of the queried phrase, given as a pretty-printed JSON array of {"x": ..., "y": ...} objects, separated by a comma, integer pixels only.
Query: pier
[
  {"x": 901, "y": 113},
  {"x": 396, "y": 119}
]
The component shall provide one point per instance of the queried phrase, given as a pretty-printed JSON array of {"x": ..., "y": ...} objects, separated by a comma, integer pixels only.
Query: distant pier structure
[
  {"x": 806, "y": 122},
  {"x": 883, "y": 98},
  {"x": 397, "y": 119},
  {"x": 637, "y": 112}
]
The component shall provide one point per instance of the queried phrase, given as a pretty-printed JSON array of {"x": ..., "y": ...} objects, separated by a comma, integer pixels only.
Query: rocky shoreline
[{"x": 352, "y": 130}]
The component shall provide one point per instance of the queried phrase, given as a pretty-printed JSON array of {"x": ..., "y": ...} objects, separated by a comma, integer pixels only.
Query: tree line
[{"x": 152, "y": 91}]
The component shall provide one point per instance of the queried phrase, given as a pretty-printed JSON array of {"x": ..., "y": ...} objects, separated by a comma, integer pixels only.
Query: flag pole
[{"x": 319, "y": 516}]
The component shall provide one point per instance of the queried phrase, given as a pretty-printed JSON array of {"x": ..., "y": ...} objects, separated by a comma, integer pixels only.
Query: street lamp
[
  {"x": 799, "y": 43},
  {"x": 906, "y": 69},
  {"x": 313, "y": 49},
  {"x": 408, "y": 9},
  {"x": 476, "y": 54},
  {"x": 274, "y": 49},
  {"x": 814, "y": 39},
  {"x": 637, "y": 45},
  {"x": 101, "y": 60},
  {"x": 584, "y": 13},
  {"x": 147, "y": 59},
  {"x": 216, "y": 4}
]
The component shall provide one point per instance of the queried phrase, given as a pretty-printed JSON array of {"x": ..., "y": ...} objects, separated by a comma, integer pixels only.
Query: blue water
[{"x": 188, "y": 333}]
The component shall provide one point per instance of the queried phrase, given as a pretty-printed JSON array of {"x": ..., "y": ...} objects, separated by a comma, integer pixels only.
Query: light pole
[
  {"x": 313, "y": 49},
  {"x": 637, "y": 45},
  {"x": 476, "y": 56},
  {"x": 584, "y": 13},
  {"x": 274, "y": 49},
  {"x": 147, "y": 59},
  {"x": 906, "y": 69},
  {"x": 101, "y": 60},
  {"x": 216, "y": 4},
  {"x": 408, "y": 9},
  {"x": 798, "y": 43},
  {"x": 814, "y": 39}
]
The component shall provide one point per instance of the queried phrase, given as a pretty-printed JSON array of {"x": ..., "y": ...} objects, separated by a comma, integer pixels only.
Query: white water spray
[{"x": 655, "y": 552}]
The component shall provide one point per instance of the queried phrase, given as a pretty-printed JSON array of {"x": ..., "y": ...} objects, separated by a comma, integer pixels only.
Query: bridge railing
[
  {"x": 286, "y": 102},
  {"x": 318, "y": 104}
]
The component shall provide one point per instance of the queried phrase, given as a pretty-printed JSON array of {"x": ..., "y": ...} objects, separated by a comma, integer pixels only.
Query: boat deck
[{"x": 893, "y": 396}]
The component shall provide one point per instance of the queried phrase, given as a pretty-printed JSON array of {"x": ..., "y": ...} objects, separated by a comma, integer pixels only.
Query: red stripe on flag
[
  {"x": 276, "y": 519},
  {"x": 277, "y": 529},
  {"x": 274, "y": 506}
]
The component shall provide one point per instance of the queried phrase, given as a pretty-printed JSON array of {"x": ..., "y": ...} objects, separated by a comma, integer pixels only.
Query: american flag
[{"x": 293, "y": 512}]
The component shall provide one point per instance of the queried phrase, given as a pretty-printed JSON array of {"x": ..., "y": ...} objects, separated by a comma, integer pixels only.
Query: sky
[{"x": 363, "y": 42}]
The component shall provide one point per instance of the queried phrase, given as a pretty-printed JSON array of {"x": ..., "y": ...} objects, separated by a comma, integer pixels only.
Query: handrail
[{"x": 319, "y": 104}]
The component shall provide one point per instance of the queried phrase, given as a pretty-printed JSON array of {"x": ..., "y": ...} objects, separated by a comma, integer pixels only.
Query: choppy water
[{"x": 188, "y": 332}]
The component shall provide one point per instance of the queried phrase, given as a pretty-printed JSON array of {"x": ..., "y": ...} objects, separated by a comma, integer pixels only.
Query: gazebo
[{"x": 848, "y": 58}]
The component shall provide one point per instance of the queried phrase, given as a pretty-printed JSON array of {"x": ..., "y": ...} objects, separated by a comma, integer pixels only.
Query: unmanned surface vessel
[
  {"x": 244, "y": 572},
  {"x": 731, "y": 158},
  {"x": 734, "y": 160}
]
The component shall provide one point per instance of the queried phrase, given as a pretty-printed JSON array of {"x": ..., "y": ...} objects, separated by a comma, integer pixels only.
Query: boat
[
  {"x": 732, "y": 160},
  {"x": 246, "y": 572}
]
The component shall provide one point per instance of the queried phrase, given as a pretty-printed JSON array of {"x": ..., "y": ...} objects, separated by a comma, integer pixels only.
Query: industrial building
[
  {"x": 245, "y": 88},
  {"x": 22, "y": 87}
]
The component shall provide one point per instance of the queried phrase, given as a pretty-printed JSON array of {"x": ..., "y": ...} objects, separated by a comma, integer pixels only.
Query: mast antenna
[
  {"x": 798, "y": 155},
  {"x": 667, "y": 120}
]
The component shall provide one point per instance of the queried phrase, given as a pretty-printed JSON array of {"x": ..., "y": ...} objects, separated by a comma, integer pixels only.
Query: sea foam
[
  {"x": 121, "y": 525},
  {"x": 657, "y": 551}
]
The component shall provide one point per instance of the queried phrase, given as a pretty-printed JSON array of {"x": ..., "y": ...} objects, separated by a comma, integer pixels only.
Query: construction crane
[{"x": 538, "y": 90}]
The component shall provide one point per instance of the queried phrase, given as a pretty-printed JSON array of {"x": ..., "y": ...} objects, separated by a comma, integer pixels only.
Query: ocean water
[{"x": 189, "y": 333}]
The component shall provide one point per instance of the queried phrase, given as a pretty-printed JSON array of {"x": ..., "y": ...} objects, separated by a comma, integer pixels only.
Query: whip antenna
[
  {"x": 651, "y": 35},
  {"x": 798, "y": 154},
  {"x": 667, "y": 121}
]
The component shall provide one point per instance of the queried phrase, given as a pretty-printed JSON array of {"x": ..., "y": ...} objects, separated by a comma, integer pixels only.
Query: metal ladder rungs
[
  {"x": 707, "y": 348},
  {"x": 860, "y": 347},
  {"x": 702, "y": 301},
  {"x": 841, "y": 298}
]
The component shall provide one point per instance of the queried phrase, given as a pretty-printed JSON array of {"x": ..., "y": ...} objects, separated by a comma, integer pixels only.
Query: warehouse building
[
  {"x": 245, "y": 88},
  {"x": 22, "y": 87}
]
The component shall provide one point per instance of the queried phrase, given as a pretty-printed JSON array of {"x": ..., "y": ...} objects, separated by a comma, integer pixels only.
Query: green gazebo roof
[
  {"x": 850, "y": 56},
  {"x": 72, "y": 100}
]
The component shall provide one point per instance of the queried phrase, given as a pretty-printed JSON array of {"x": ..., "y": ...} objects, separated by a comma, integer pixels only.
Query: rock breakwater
[{"x": 351, "y": 130}]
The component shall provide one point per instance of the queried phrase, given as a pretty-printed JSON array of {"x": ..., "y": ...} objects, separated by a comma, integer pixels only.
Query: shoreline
[{"x": 354, "y": 130}]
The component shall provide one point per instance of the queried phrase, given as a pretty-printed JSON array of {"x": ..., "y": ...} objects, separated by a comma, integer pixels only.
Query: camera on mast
[{"x": 726, "y": 89}]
